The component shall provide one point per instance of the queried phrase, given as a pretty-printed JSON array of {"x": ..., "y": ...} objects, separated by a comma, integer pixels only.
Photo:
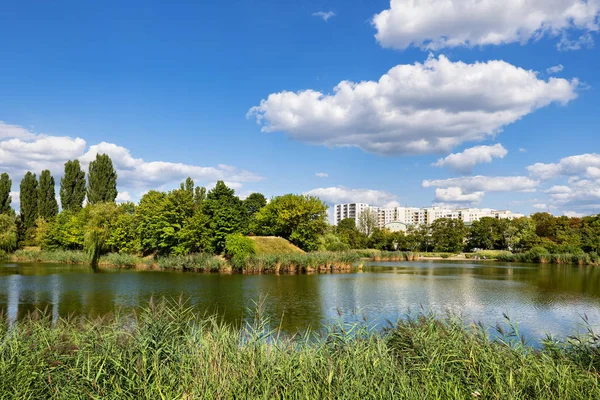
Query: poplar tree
[
  {"x": 47, "y": 204},
  {"x": 28, "y": 197},
  {"x": 72, "y": 186},
  {"x": 5, "y": 186},
  {"x": 102, "y": 180}
]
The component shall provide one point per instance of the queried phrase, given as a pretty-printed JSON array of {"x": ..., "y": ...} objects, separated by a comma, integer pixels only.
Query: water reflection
[{"x": 542, "y": 299}]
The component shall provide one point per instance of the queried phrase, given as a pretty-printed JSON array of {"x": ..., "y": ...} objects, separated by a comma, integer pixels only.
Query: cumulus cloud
[
  {"x": 436, "y": 24},
  {"x": 587, "y": 165},
  {"x": 583, "y": 193},
  {"x": 486, "y": 183},
  {"x": 21, "y": 151},
  {"x": 324, "y": 15},
  {"x": 414, "y": 109},
  {"x": 322, "y": 175},
  {"x": 334, "y": 195},
  {"x": 555, "y": 69},
  {"x": 465, "y": 161},
  {"x": 456, "y": 195}
]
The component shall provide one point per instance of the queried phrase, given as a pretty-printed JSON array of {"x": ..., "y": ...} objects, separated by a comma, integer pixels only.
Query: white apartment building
[
  {"x": 396, "y": 216},
  {"x": 351, "y": 210}
]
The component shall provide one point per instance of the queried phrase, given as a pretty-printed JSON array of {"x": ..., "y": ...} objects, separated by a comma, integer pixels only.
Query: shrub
[{"x": 238, "y": 245}]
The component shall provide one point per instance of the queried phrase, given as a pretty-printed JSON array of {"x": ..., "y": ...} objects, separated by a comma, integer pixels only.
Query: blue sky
[{"x": 166, "y": 90}]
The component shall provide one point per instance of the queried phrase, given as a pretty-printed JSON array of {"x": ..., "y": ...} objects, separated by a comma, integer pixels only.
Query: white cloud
[
  {"x": 584, "y": 164},
  {"x": 481, "y": 183},
  {"x": 436, "y": 24},
  {"x": 14, "y": 131},
  {"x": 573, "y": 214},
  {"x": 324, "y": 15},
  {"x": 123, "y": 197},
  {"x": 414, "y": 109},
  {"x": 322, "y": 175},
  {"x": 465, "y": 161},
  {"x": 334, "y": 195},
  {"x": 21, "y": 151},
  {"x": 541, "y": 206},
  {"x": 584, "y": 41},
  {"x": 522, "y": 150},
  {"x": 555, "y": 69},
  {"x": 456, "y": 195}
]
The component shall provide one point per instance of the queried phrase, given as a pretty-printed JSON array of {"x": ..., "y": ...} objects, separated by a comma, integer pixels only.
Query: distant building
[{"x": 399, "y": 218}]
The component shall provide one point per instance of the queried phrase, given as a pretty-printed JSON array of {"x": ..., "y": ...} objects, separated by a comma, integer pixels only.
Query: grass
[
  {"x": 531, "y": 257},
  {"x": 202, "y": 262},
  {"x": 274, "y": 245},
  {"x": 381, "y": 255},
  {"x": 489, "y": 254},
  {"x": 305, "y": 262},
  {"x": 165, "y": 351}
]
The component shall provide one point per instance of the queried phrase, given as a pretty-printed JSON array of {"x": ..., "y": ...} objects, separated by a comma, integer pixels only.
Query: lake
[{"x": 542, "y": 299}]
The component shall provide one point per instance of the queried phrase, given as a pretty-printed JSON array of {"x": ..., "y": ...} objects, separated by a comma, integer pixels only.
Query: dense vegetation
[
  {"x": 190, "y": 220},
  {"x": 166, "y": 352}
]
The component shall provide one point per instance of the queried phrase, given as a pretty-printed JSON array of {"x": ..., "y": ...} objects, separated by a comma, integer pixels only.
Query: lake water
[{"x": 541, "y": 299}]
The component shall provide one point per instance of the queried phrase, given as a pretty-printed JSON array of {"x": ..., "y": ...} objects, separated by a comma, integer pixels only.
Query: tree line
[
  {"x": 557, "y": 235},
  {"x": 185, "y": 220},
  {"x": 190, "y": 219}
]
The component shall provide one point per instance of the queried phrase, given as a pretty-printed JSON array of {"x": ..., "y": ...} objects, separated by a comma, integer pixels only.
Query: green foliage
[
  {"x": 5, "y": 199},
  {"x": 448, "y": 235},
  {"x": 297, "y": 218},
  {"x": 72, "y": 187},
  {"x": 225, "y": 213},
  {"x": 239, "y": 246},
  {"x": 102, "y": 180},
  {"x": 254, "y": 203},
  {"x": 332, "y": 242},
  {"x": 123, "y": 236},
  {"x": 172, "y": 353},
  {"x": 520, "y": 235},
  {"x": 47, "y": 204},
  {"x": 28, "y": 199},
  {"x": 487, "y": 234},
  {"x": 8, "y": 233},
  {"x": 347, "y": 232},
  {"x": 101, "y": 216}
]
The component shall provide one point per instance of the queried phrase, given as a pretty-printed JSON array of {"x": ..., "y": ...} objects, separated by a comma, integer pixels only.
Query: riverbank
[
  {"x": 591, "y": 259},
  {"x": 266, "y": 263},
  {"x": 169, "y": 352}
]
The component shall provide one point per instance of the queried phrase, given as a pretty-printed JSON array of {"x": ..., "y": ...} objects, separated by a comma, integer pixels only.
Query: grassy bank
[
  {"x": 492, "y": 255},
  {"x": 265, "y": 263},
  {"x": 167, "y": 352}
]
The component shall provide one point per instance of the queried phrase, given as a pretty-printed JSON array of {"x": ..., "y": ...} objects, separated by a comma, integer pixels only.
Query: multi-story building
[
  {"x": 351, "y": 210},
  {"x": 394, "y": 217}
]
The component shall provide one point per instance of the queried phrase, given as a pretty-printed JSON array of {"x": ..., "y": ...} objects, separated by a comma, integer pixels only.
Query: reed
[{"x": 165, "y": 351}]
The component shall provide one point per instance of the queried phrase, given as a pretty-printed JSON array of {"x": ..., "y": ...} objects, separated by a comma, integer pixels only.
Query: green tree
[
  {"x": 367, "y": 222},
  {"x": 124, "y": 236},
  {"x": 47, "y": 205},
  {"x": 254, "y": 203},
  {"x": 157, "y": 223},
  {"x": 347, "y": 232},
  {"x": 298, "y": 218},
  {"x": 520, "y": 235},
  {"x": 486, "y": 234},
  {"x": 102, "y": 180},
  {"x": 418, "y": 237},
  {"x": 28, "y": 198},
  {"x": 5, "y": 186},
  {"x": 101, "y": 217},
  {"x": 72, "y": 186},
  {"x": 8, "y": 233},
  {"x": 448, "y": 235},
  {"x": 225, "y": 214}
]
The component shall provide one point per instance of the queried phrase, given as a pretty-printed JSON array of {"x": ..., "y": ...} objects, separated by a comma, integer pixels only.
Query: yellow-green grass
[
  {"x": 274, "y": 245},
  {"x": 165, "y": 351}
]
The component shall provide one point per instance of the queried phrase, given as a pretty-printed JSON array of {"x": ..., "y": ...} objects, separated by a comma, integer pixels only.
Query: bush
[{"x": 238, "y": 245}]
